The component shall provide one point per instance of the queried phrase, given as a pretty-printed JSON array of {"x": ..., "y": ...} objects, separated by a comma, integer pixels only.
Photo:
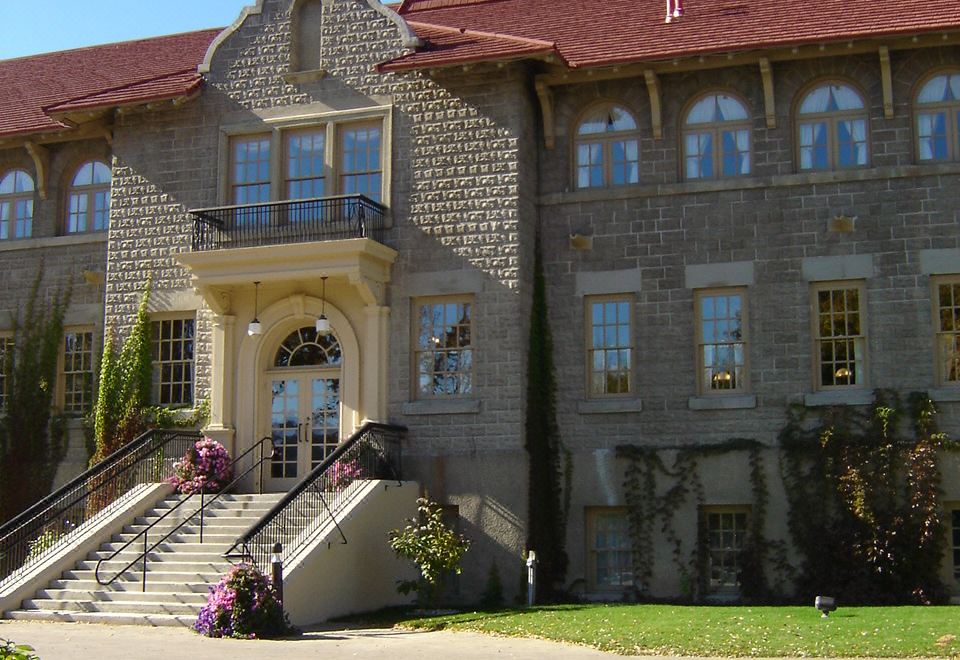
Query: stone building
[{"x": 740, "y": 208}]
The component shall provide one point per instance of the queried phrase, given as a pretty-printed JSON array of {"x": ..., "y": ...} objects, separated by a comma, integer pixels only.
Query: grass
[{"x": 721, "y": 631}]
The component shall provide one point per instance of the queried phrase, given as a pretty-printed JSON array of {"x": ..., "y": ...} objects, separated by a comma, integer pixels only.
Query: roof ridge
[
  {"x": 482, "y": 33},
  {"x": 116, "y": 88}
]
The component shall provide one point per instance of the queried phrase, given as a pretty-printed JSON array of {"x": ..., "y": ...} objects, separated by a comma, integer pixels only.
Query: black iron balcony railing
[{"x": 293, "y": 221}]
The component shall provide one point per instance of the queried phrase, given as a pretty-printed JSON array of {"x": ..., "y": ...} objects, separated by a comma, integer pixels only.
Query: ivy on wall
[
  {"x": 863, "y": 499},
  {"x": 32, "y": 437},
  {"x": 546, "y": 518}
]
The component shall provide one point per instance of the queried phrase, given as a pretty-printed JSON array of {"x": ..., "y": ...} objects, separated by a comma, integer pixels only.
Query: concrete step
[
  {"x": 124, "y": 585},
  {"x": 139, "y": 607},
  {"x": 109, "y": 618},
  {"x": 211, "y": 536},
  {"x": 170, "y": 545},
  {"x": 168, "y": 566},
  {"x": 179, "y": 555},
  {"x": 164, "y": 574},
  {"x": 102, "y": 595}
]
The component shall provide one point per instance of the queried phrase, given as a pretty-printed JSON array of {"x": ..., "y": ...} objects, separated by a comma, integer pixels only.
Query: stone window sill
[
  {"x": 726, "y": 402},
  {"x": 604, "y": 406},
  {"x": 442, "y": 407},
  {"x": 838, "y": 398},
  {"x": 945, "y": 393},
  {"x": 53, "y": 241}
]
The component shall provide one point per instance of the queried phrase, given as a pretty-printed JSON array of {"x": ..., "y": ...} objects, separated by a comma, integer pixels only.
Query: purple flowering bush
[
  {"x": 206, "y": 467},
  {"x": 345, "y": 473},
  {"x": 242, "y": 605}
]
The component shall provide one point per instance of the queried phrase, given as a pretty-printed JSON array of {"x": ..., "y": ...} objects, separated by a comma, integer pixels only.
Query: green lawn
[{"x": 725, "y": 631}]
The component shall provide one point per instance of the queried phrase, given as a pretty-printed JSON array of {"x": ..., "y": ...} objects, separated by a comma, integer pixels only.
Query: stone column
[
  {"x": 222, "y": 424},
  {"x": 374, "y": 360}
]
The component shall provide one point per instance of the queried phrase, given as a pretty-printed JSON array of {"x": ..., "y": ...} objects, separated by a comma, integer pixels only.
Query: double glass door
[{"x": 304, "y": 423}]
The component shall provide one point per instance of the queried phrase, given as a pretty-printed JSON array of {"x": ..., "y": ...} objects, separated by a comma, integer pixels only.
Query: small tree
[
  {"x": 430, "y": 544},
  {"x": 125, "y": 382}
]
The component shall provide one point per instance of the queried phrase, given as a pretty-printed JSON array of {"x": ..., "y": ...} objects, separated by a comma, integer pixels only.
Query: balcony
[{"x": 283, "y": 223}]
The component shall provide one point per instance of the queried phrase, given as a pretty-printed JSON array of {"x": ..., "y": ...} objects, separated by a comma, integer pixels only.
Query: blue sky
[{"x": 28, "y": 27}]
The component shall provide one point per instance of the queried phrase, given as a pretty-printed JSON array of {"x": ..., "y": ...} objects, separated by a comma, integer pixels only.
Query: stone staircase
[{"x": 179, "y": 572}]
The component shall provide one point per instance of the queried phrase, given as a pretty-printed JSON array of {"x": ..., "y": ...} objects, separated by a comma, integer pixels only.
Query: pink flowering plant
[
  {"x": 345, "y": 473},
  {"x": 206, "y": 467},
  {"x": 242, "y": 605}
]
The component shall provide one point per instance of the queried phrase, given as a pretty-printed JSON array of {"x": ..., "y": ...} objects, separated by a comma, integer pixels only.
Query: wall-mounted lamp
[
  {"x": 253, "y": 328},
  {"x": 323, "y": 323}
]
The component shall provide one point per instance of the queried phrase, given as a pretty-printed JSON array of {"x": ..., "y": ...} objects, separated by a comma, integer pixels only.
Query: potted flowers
[{"x": 206, "y": 467}]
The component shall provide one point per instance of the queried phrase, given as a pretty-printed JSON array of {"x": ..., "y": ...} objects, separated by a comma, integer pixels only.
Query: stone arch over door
[{"x": 256, "y": 355}]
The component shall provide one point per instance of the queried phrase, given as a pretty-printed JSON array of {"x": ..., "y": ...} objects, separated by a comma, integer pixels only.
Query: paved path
[{"x": 79, "y": 641}]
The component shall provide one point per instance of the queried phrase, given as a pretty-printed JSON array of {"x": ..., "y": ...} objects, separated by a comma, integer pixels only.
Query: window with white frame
[
  {"x": 443, "y": 349},
  {"x": 16, "y": 205},
  {"x": 726, "y": 529},
  {"x": 607, "y": 148},
  {"x": 947, "y": 317},
  {"x": 832, "y": 128},
  {"x": 6, "y": 362},
  {"x": 609, "y": 345},
  {"x": 609, "y": 549},
  {"x": 88, "y": 199},
  {"x": 360, "y": 163},
  {"x": 173, "y": 346},
  {"x": 77, "y": 373},
  {"x": 250, "y": 169},
  {"x": 721, "y": 340},
  {"x": 716, "y": 138},
  {"x": 938, "y": 118},
  {"x": 840, "y": 335}
]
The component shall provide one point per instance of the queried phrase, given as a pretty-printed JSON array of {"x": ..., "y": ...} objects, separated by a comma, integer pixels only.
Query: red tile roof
[
  {"x": 591, "y": 33},
  {"x": 97, "y": 77}
]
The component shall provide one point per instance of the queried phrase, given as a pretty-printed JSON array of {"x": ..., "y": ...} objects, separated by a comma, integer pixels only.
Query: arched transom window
[
  {"x": 607, "y": 148},
  {"x": 88, "y": 201},
  {"x": 938, "y": 118},
  {"x": 16, "y": 205},
  {"x": 305, "y": 348},
  {"x": 716, "y": 138},
  {"x": 832, "y": 128}
]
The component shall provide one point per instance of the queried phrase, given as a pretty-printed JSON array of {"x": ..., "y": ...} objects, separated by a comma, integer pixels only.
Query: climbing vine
[
  {"x": 862, "y": 500},
  {"x": 546, "y": 513},
  {"x": 863, "y": 494},
  {"x": 32, "y": 438}
]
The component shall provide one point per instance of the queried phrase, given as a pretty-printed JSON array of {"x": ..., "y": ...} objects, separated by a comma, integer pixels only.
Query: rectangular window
[
  {"x": 947, "y": 318},
  {"x": 250, "y": 169},
  {"x": 173, "y": 361},
  {"x": 6, "y": 354},
  {"x": 77, "y": 371},
  {"x": 360, "y": 166},
  {"x": 305, "y": 170},
  {"x": 726, "y": 529},
  {"x": 840, "y": 332},
  {"x": 610, "y": 552},
  {"x": 721, "y": 341},
  {"x": 609, "y": 346},
  {"x": 443, "y": 353}
]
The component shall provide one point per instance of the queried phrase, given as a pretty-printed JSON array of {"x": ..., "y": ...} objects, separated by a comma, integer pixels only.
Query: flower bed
[
  {"x": 242, "y": 605},
  {"x": 206, "y": 467}
]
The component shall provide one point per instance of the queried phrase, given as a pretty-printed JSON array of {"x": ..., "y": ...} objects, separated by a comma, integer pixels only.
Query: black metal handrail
[
  {"x": 56, "y": 519},
  {"x": 291, "y": 221},
  {"x": 372, "y": 452},
  {"x": 204, "y": 503}
]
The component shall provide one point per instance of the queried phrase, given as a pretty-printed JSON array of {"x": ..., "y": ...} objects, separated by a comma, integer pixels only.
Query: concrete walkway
[{"x": 76, "y": 641}]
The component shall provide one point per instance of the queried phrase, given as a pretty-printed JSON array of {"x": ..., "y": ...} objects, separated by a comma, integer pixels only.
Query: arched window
[
  {"x": 305, "y": 348},
  {"x": 938, "y": 118},
  {"x": 832, "y": 128},
  {"x": 716, "y": 138},
  {"x": 607, "y": 148},
  {"x": 16, "y": 205},
  {"x": 88, "y": 200}
]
